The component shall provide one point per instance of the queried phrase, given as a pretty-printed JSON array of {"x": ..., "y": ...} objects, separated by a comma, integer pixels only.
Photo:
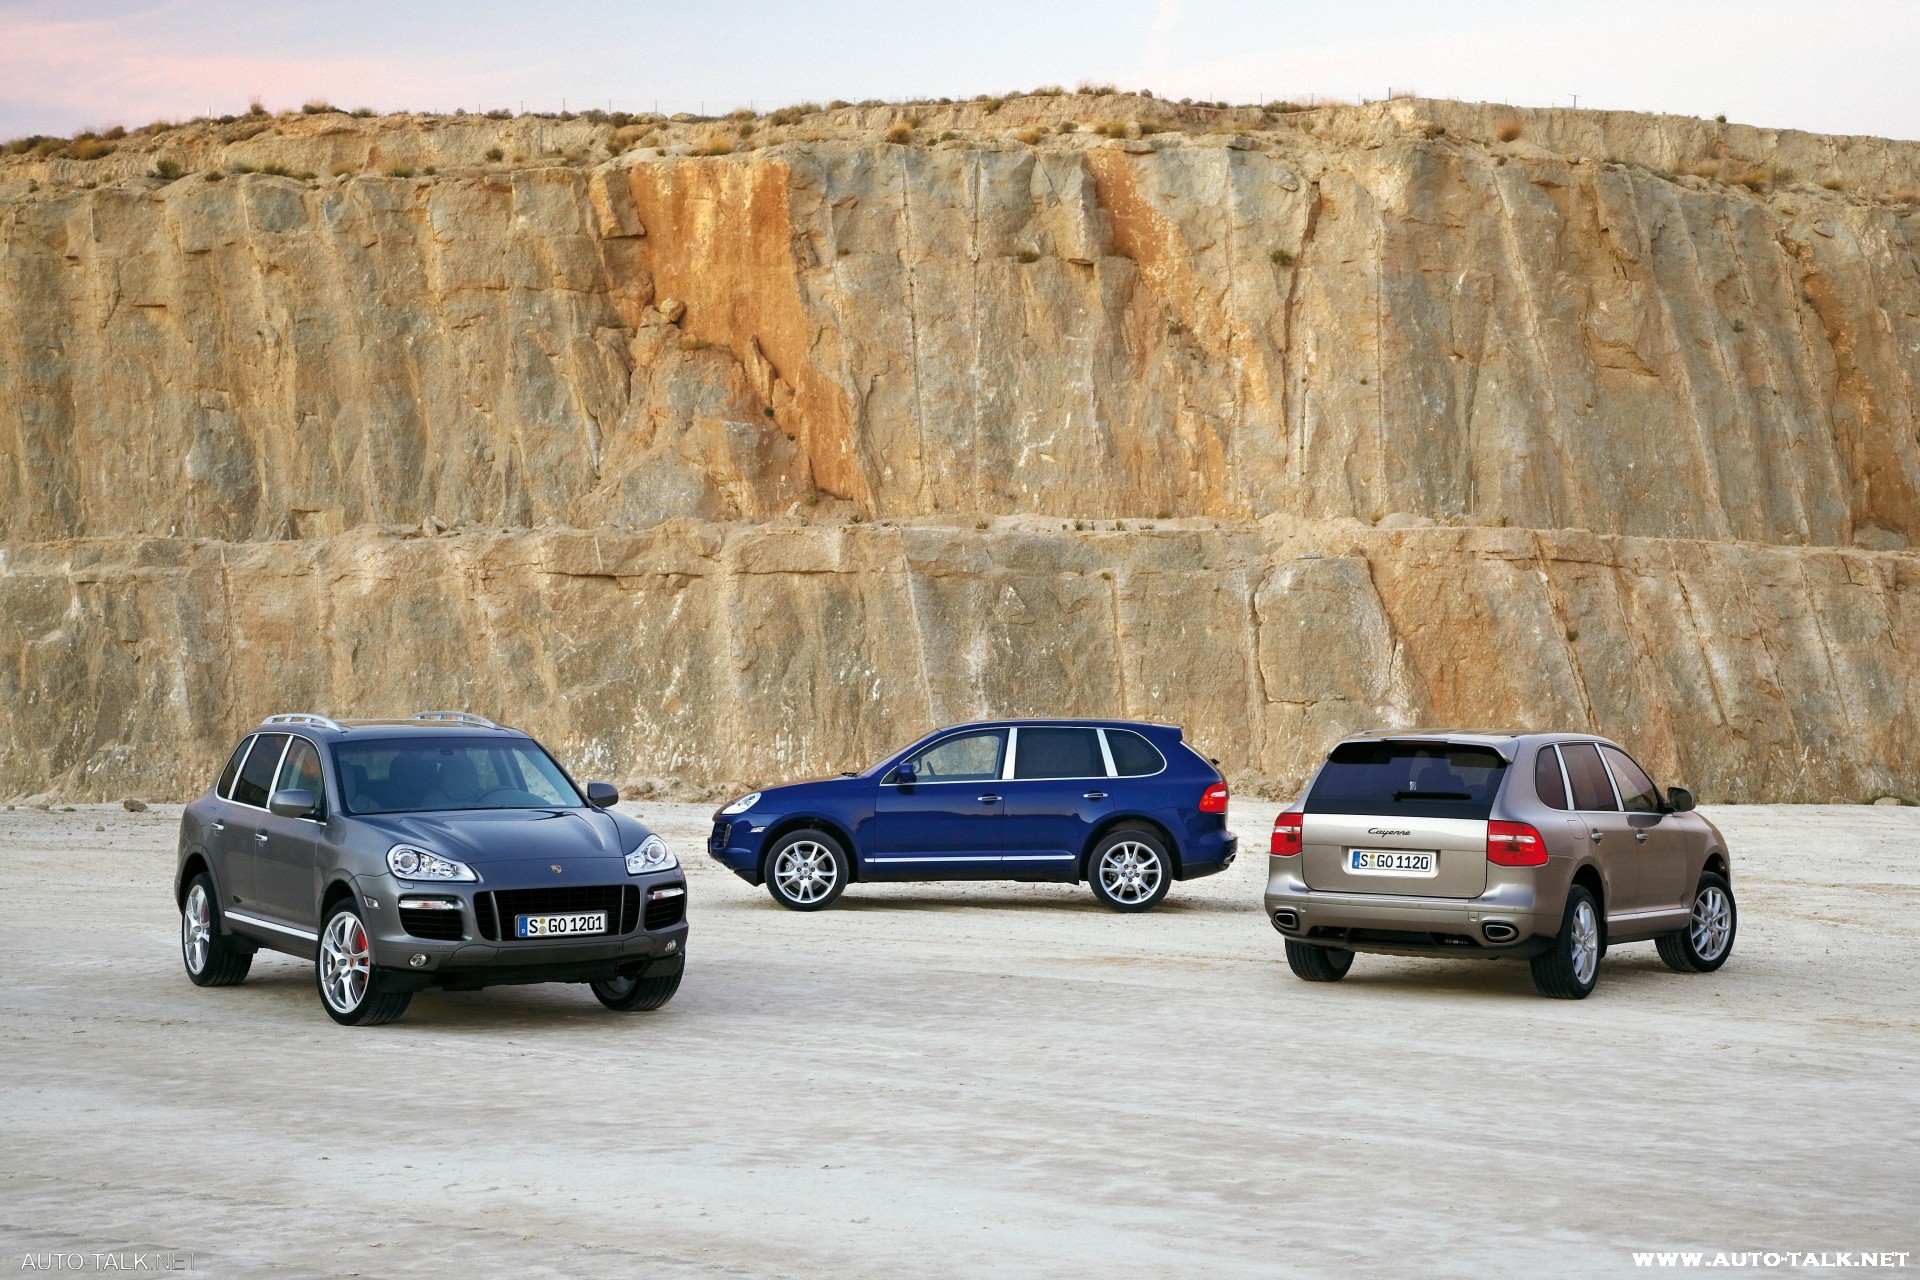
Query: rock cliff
[{"x": 720, "y": 467}]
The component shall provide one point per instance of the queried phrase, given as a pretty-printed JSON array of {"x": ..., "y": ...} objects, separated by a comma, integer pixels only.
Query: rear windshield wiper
[{"x": 1431, "y": 795}]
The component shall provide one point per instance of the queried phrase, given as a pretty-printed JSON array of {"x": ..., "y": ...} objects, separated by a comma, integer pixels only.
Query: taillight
[
  {"x": 1515, "y": 844},
  {"x": 1214, "y": 799},
  {"x": 1286, "y": 834}
]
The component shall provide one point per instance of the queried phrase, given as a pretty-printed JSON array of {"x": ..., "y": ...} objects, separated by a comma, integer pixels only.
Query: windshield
[
  {"x": 1408, "y": 779},
  {"x": 409, "y": 775}
]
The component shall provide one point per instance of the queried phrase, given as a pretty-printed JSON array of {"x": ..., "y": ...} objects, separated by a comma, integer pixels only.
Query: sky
[{"x": 1847, "y": 66}]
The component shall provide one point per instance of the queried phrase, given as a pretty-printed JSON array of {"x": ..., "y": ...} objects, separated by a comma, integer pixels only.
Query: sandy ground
[{"x": 970, "y": 1080}]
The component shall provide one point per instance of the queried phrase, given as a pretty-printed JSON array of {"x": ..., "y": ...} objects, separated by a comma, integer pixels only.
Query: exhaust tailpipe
[
  {"x": 1286, "y": 920},
  {"x": 1499, "y": 931}
]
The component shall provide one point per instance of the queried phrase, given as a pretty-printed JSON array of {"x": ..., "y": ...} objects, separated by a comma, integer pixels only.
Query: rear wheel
[
  {"x": 806, "y": 870},
  {"x": 1318, "y": 964},
  {"x": 1707, "y": 941},
  {"x": 1129, "y": 870},
  {"x": 343, "y": 970},
  {"x": 213, "y": 959},
  {"x": 636, "y": 994},
  {"x": 1568, "y": 970}
]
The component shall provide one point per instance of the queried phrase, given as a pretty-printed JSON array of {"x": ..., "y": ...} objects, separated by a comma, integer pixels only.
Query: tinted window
[
  {"x": 224, "y": 787},
  {"x": 1133, "y": 755},
  {"x": 1058, "y": 753},
  {"x": 1414, "y": 779},
  {"x": 408, "y": 775},
  {"x": 301, "y": 770},
  {"x": 1547, "y": 782},
  {"x": 970, "y": 757},
  {"x": 1637, "y": 793},
  {"x": 1591, "y": 790},
  {"x": 256, "y": 775}
]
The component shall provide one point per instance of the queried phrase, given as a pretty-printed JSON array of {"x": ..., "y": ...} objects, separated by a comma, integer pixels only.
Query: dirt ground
[{"x": 967, "y": 1081}]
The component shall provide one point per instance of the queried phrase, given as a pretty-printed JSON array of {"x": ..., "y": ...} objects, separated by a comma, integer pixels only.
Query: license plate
[
  {"x": 1392, "y": 862},
  {"x": 559, "y": 926}
]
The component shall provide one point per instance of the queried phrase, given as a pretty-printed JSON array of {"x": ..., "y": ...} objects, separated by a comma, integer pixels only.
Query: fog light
[
  {"x": 673, "y": 946},
  {"x": 418, "y": 960}
]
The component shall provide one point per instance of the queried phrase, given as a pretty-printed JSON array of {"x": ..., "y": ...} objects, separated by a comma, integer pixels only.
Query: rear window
[
  {"x": 1547, "y": 782},
  {"x": 1408, "y": 779},
  {"x": 1133, "y": 755},
  {"x": 224, "y": 788}
]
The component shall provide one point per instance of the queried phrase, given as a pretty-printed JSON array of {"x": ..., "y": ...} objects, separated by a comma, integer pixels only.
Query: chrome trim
[
  {"x": 1106, "y": 752},
  {"x": 971, "y": 857},
  {"x": 670, "y": 891},
  {"x": 304, "y": 717},
  {"x": 262, "y": 808},
  {"x": 257, "y": 922},
  {"x": 1034, "y": 857},
  {"x": 430, "y": 904},
  {"x": 1013, "y": 745}
]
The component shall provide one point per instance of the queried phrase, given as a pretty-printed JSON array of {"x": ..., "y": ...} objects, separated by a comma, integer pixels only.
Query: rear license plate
[
  {"x": 559, "y": 926},
  {"x": 1393, "y": 862}
]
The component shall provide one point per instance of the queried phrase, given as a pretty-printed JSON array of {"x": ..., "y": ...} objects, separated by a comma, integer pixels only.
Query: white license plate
[
  {"x": 1393, "y": 862},
  {"x": 559, "y": 926}
]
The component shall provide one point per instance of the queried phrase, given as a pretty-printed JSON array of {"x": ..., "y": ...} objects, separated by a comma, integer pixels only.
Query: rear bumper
[
  {"x": 1209, "y": 857},
  {"x": 1393, "y": 924}
]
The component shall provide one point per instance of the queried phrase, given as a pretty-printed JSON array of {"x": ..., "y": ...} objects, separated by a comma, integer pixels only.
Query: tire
[
  {"x": 806, "y": 870},
  {"x": 1318, "y": 964},
  {"x": 212, "y": 958},
  {"x": 1130, "y": 870},
  {"x": 343, "y": 972},
  {"x": 1569, "y": 970},
  {"x": 1707, "y": 941},
  {"x": 638, "y": 994}
]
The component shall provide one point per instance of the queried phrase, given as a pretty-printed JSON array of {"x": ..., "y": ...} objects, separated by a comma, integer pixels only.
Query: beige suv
[{"x": 1548, "y": 846}]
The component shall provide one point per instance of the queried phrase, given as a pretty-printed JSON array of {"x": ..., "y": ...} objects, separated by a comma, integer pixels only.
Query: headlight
[
  {"x": 652, "y": 855},
  {"x": 410, "y": 862},
  {"x": 743, "y": 804}
]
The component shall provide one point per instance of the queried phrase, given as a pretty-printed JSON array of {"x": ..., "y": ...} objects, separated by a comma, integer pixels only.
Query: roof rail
[
  {"x": 454, "y": 717},
  {"x": 303, "y": 717}
]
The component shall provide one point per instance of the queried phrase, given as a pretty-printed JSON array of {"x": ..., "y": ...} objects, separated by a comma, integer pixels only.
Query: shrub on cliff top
[
  {"x": 316, "y": 107},
  {"x": 90, "y": 149},
  {"x": 900, "y": 133}
]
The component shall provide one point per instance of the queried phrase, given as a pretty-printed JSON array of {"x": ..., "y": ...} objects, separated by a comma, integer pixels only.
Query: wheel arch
[
  {"x": 1112, "y": 821},
  {"x": 196, "y": 864},
  {"x": 801, "y": 822},
  {"x": 1717, "y": 863},
  {"x": 337, "y": 888},
  {"x": 1587, "y": 876}
]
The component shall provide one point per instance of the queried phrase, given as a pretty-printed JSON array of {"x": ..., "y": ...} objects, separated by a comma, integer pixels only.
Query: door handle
[
  {"x": 989, "y": 798},
  {"x": 219, "y": 826},
  {"x": 1641, "y": 836},
  {"x": 1094, "y": 795},
  {"x": 261, "y": 836},
  {"x": 1596, "y": 835}
]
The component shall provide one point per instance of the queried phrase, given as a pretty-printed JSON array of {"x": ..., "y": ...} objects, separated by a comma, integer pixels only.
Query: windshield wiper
[{"x": 1431, "y": 795}]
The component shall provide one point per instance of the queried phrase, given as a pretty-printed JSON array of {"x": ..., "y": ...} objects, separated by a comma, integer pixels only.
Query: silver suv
[
  {"x": 1550, "y": 846},
  {"x": 442, "y": 850}
]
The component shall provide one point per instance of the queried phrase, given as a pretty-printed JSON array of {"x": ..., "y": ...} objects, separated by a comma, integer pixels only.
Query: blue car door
[
  {"x": 945, "y": 824},
  {"x": 1058, "y": 792}
]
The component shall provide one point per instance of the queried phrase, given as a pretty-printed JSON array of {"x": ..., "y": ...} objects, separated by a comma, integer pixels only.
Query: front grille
[
  {"x": 442, "y": 926},
  {"x": 664, "y": 913},
  {"x": 496, "y": 910}
]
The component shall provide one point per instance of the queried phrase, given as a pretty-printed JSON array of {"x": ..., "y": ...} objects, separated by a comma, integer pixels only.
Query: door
[
  {"x": 1058, "y": 793},
  {"x": 245, "y": 821},
  {"x": 288, "y": 865},
  {"x": 1660, "y": 855},
  {"x": 945, "y": 824},
  {"x": 1608, "y": 834}
]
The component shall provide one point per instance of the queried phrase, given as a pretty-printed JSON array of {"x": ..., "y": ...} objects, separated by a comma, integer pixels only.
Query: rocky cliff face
[{"x": 1645, "y": 440}]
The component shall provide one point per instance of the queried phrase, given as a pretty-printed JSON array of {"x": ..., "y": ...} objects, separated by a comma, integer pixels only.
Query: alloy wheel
[
  {"x": 1712, "y": 924},
  {"x": 1130, "y": 872},
  {"x": 805, "y": 871},
  {"x": 1586, "y": 943},
  {"x": 196, "y": 928},
  {"x": 346, "y": 963}
]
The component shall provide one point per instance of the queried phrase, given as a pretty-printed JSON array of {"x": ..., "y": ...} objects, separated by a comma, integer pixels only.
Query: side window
[
  {"x": 1637, "y": 792},
  {"x": 256, "y": 775},
  {"x": 1133, "y": 755},
  {"x": 224, "y": 787},
  {"x": 1591, "y": 790},
  {"x": 1547, "y": 782},
  {"x": 971, "y": 757},
  {"x": 1058, "y": 753},
  {"x": 301, "y": 771}
]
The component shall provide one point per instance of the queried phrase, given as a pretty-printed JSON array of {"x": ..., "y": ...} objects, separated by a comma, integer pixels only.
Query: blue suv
[{"x": 1129, "y": 808}]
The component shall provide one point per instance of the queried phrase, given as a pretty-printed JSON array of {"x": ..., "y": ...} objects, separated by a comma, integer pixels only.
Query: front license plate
[
  {"x": 559, "y": 926},
  {"x": 1392, "y": 862}
]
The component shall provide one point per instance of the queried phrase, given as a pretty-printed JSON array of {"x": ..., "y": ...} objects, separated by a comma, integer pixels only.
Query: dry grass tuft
[
  {"x": 1833, "y": 184},
  {"x": 714, "y": 147},
  {"x": 1508, "y": 130},
  {"x": 495, "y": 155},
  {"x": 1025, "y": 256},
  {"x": 316, "y": 107},
  {"x": 1029, "y": 136},
  {"x": 89, "y": 149},
  {"x": 901, "y": 133}
]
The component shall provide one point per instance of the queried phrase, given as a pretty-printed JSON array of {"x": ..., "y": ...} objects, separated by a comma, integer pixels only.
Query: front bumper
[{"x": 1396, "y": 924}]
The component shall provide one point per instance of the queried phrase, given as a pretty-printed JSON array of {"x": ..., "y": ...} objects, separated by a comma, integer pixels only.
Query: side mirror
[
  {"x": 294, "y": 802},
  {"x": 905, "y": 774},
  {"x": 1680, "y": 800},
  {"x": 602, "y": 795}
]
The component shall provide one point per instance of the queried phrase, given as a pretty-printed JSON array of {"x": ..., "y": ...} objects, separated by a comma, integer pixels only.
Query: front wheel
[
  {"x": 213, "y": 959},
  {"x": 1707, "y": 941},
  {"x": 343, "y": 970},
  {"x": 806, "y": 870},
  {"x": 636, "y": 994},
  {"x": 1568, "y": 969},
  {"x": 1129, "y": 870}
]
